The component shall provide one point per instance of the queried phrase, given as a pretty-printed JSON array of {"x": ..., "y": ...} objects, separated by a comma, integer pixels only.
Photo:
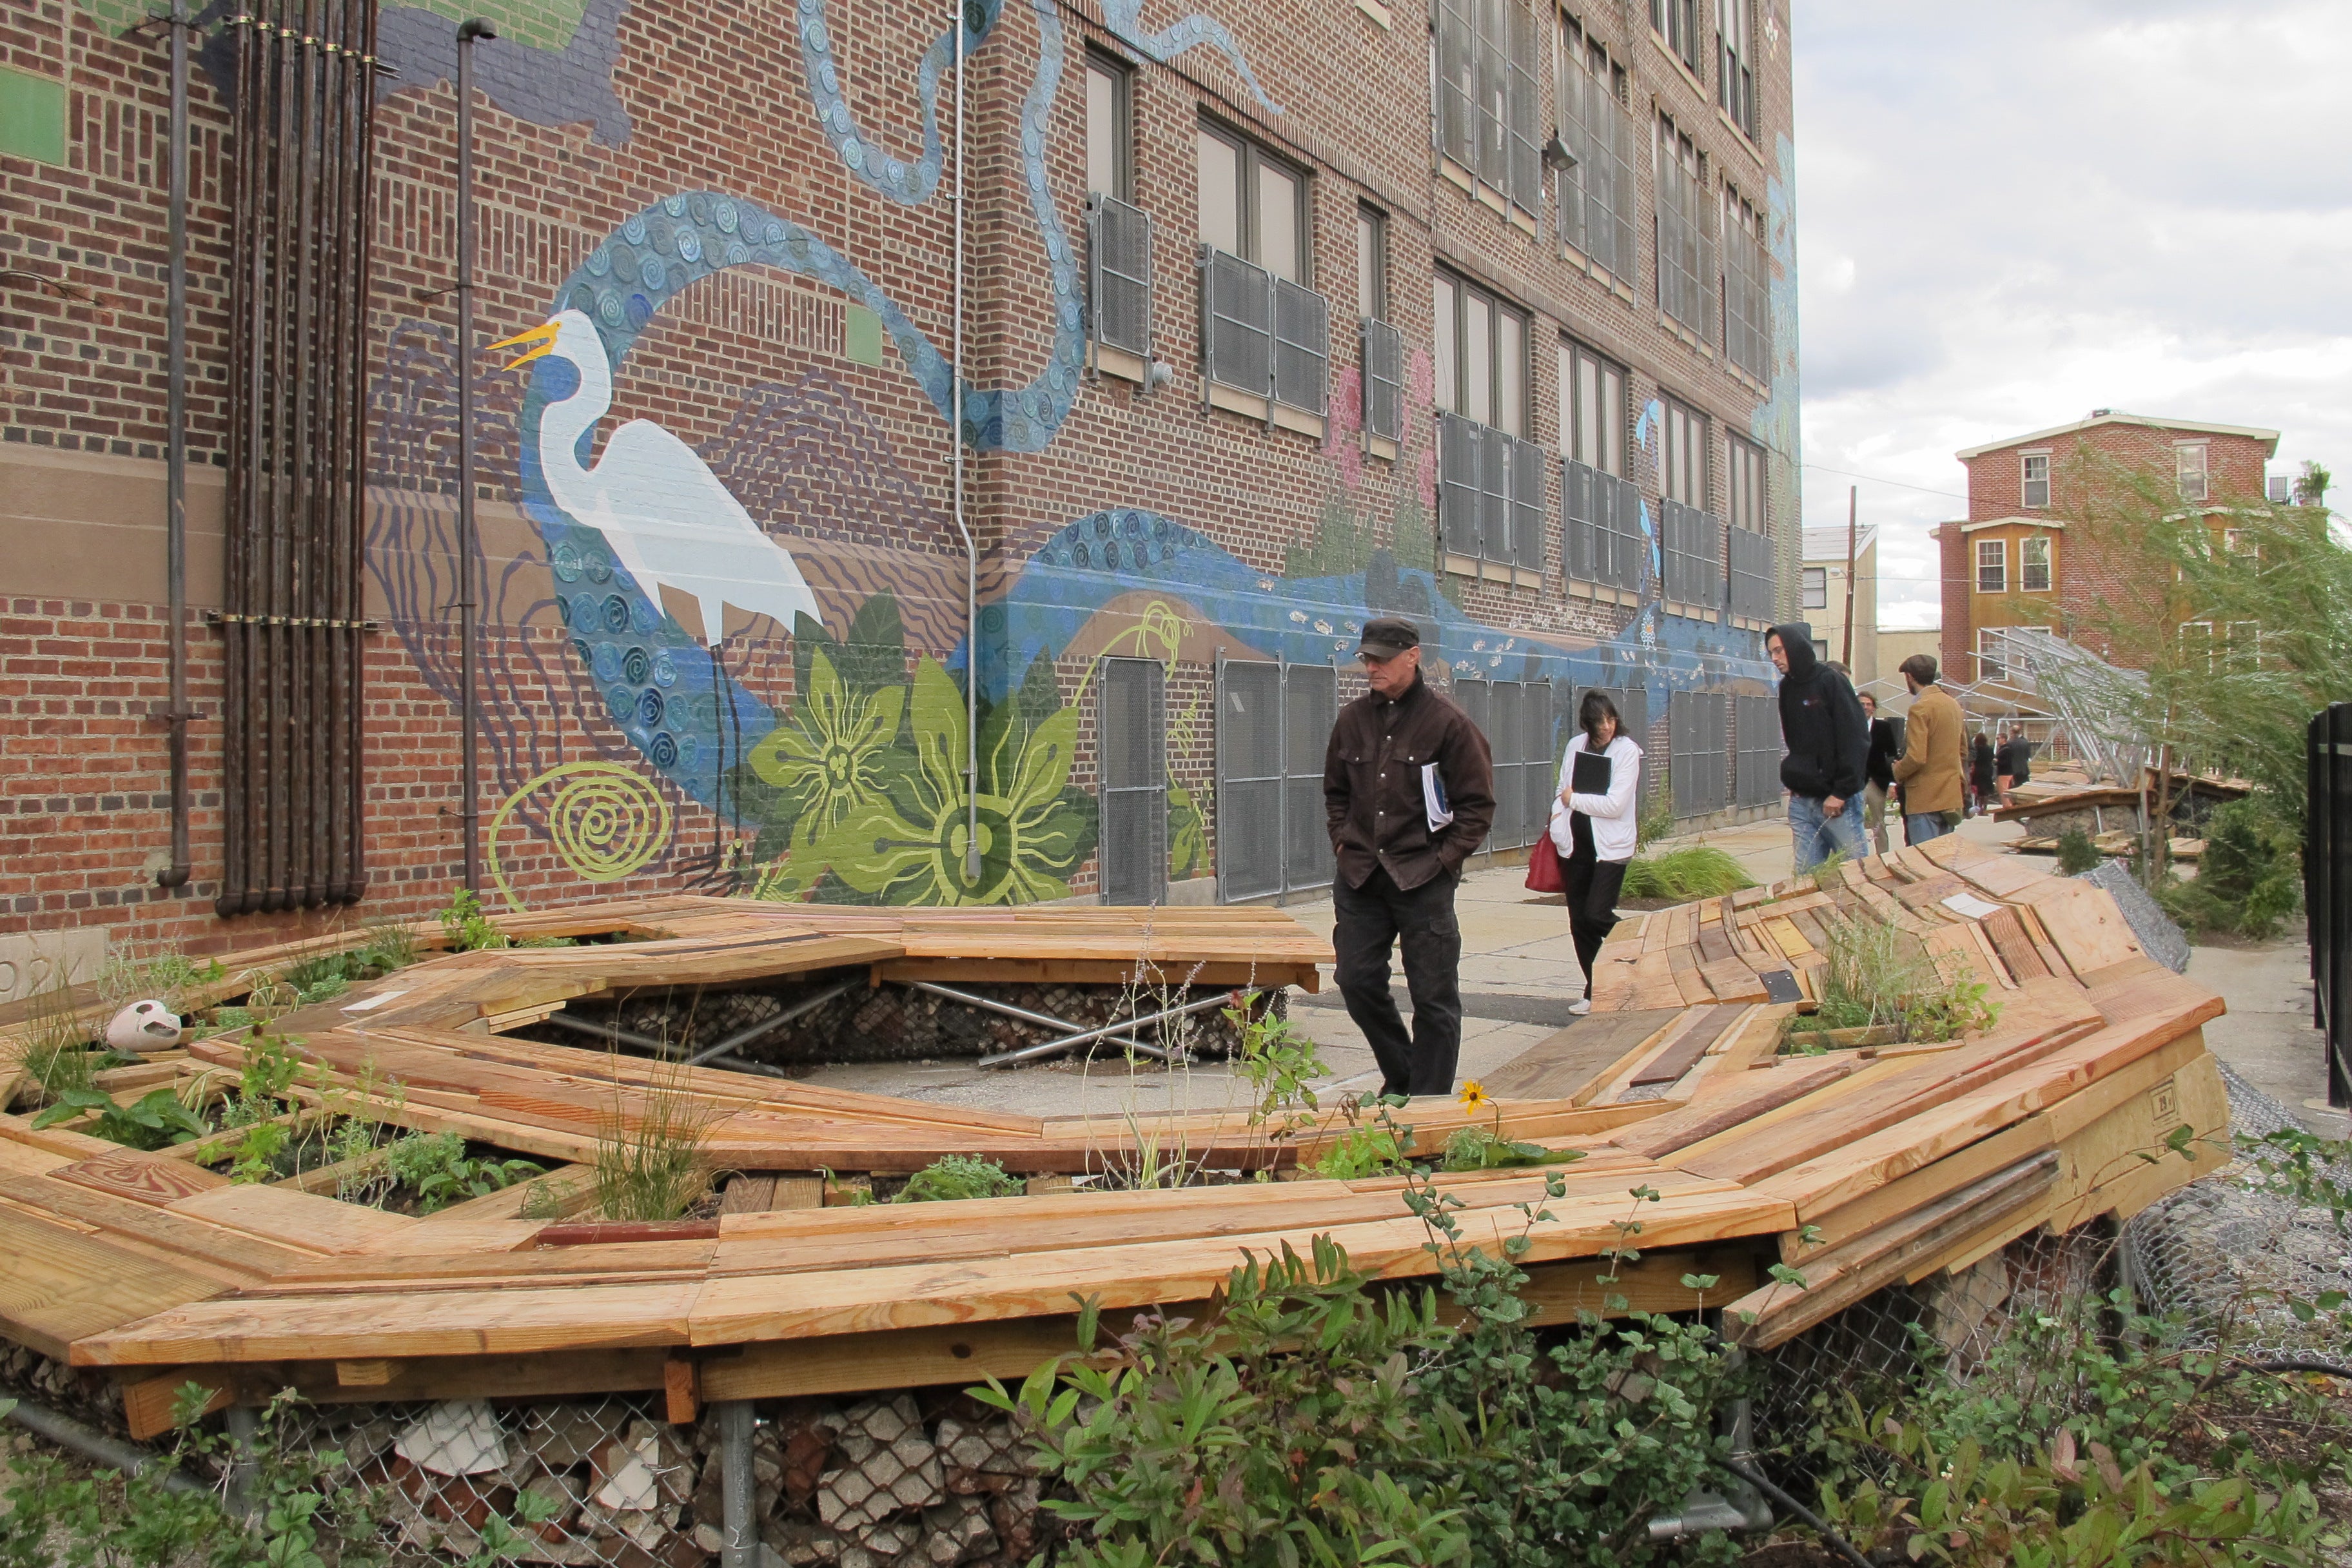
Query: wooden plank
[
  {"x": 62, "y": 1285},
  {"x": 1682, "y": 1054},
  {"x": 749, "y": 1194},
  {"x": 229, "y": 1256},
  {"x": 1751, "y": 1095},
  {"x": 322, "y": 1223},
  {"x": 144, "y": 1178},
  {"x": 1566, "y": 1064}
]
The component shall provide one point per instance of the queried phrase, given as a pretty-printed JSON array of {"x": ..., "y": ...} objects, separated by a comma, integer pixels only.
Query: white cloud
[{"x": 2011, "y": 213}]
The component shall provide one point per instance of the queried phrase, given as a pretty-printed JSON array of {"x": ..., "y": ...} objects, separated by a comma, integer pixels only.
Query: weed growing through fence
[{"x": 955, "y": 1176}]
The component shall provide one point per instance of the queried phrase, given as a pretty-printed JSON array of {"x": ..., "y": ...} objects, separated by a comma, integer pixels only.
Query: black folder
[{"x": 1590, "y": 775}]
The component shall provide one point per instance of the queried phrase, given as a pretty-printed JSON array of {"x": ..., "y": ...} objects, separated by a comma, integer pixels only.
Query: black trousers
[
  {"x": 1593, "y": 885},
  {"x": 1421, "y": 922}
]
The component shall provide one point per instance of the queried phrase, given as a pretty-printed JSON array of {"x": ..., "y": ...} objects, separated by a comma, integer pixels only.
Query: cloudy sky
[{"x": 2012, "y": 212}]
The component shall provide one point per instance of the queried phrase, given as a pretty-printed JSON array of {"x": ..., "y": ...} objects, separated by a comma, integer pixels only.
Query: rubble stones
[{"x": 980, "y": 1456}]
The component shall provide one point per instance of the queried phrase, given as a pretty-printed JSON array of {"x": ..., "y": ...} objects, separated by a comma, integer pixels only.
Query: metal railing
[{"x": 2327, "y": 887}]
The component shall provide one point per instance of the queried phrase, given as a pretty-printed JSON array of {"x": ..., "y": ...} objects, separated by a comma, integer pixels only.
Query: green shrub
[
  {"x": 1878, "y": 975},
  {"x": 2249, "y": 881},
  {"x": 955, "y": 1176},
  {"x": 2076, "y": 852},
  {"x": 1359, "y": 1153},
  {"x": 155, "y": 1120},
  {"x": 467, "y": 925},
  {"x": 1694, "y": 871}
]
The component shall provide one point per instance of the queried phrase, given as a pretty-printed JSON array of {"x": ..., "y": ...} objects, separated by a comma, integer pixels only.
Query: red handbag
[{"x": 1543, "y": 867}]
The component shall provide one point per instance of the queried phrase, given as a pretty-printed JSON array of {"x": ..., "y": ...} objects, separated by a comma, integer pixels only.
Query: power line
[{"x": 1874, "y": 480}]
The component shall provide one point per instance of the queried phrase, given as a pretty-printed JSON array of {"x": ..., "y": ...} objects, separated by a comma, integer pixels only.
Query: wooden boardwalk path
[{"x": 1904, "y": 1160}]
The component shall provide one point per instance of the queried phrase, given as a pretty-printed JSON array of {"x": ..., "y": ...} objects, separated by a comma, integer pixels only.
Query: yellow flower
[{"x": 1474, "y": 1095}]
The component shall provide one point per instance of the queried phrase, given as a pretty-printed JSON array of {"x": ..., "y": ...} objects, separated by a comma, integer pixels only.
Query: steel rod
[
  {"x": 469, "y": 703},
  {"x": 175, "y": 450},
  {"x": 609, "y": 1032},
  {"x": 1023, "y": 1014},
  {"x": 1070, "y": 1042},
  {"x": 774, "y": 1021},
  {"x": 740, "y": 1545},
  {"x": 972, "y": 858}
]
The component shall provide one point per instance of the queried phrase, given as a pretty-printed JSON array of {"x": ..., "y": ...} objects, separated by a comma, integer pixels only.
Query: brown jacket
[
  {"x": 1373, "y": 793},
  {"x": 1930, "y": 768}
]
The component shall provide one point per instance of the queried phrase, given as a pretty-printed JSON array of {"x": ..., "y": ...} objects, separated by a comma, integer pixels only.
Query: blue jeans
[
  {"x": 1816, "y": 835},
  {"x": 1921, "y": 828}
]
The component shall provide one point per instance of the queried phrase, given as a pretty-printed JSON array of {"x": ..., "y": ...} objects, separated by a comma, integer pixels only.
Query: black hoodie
[{"x": 1821, "y": 724}]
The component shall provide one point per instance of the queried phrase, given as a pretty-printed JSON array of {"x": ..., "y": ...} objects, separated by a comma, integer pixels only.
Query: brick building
[
  {"x": 1272, "y": 320},
  {"x": 2011, "y": 562}
]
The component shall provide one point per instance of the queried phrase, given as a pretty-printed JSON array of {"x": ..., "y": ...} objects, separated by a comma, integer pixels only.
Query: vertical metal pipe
[
  {"x": 284, "y": 371},
  {"x": 362, "y": 108},
  {"x": 307, "y": 512},
  {"x": 970, "y": 550},
  {"x": 468, "y": 709},
  {"x": 338, "y": 503},
  {"x": 237, "y": 683},
  {"x": 738, "y": 1541},
  {"x": 175, "y": 450}
]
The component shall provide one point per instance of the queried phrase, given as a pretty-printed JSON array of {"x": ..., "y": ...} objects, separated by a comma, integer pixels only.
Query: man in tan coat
[{"x": 1935, "y": 788}]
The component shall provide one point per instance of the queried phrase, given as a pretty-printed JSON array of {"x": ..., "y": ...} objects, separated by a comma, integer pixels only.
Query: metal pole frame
[{"x": 469, "y": 703}]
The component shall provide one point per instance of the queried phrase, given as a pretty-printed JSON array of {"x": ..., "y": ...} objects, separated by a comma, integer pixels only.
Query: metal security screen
[
  {"x": 1302, "y": 346},
  {"x": 1131, "y": 736},
  {"x": 1751, "y": 575},
  {"x": 1236, "y": 322},
  {"x": 1118, "y": 275},
  {"x": 1515, "y": 717},
  {"x": 1602, "y": 528},
  {"x": 1490, "y": 499},
  {"x": 1384, "y": 381},
  {"x": 1694, "y": 540},
  {"x": 1273, "y": 725},
  {"x": 1698, "y": 738},
  {"x": 1757, "y": 728}
]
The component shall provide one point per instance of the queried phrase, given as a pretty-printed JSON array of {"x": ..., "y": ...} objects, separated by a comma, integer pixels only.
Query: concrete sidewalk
[{"x": 1518, "y": 975}]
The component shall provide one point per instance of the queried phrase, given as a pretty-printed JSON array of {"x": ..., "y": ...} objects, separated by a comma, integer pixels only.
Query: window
[
  {"x": 1992, "y": 566},
  {"x": 1685, "y": 245},
  {"x": 1110, "y": 140},
  {"x": 1482, "y": 355},
  {"x": 1676, "y": 22},
  {"x": 1373, "y": 263},
  {"x": 2188, "y": 463},
  {"x": 1483, "y": 61},
  {"x": 1817, "y": 588},
  {"x": 1734, "y": 87},
  {"x": 1744, "y": 485},
  {"x": 2033, "y": 564},
  {"x": 1383, "y": 345},
  {"x": 1746, "y": 287},
  {"x": 2233, "y": 542},
  {"x": 1684, "y": 458},
  {"x": 1252, "y": 204},
  {"x": 1596, "y": 193},
  {"x": 1592, "y": 409},
  {"x": 2035, "y": 480}
]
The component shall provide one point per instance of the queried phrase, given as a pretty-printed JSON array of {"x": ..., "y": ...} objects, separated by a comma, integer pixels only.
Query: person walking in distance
[
  {"x": 1935, "y": 789},
  {"x": 1981, "y": 763},
  {"x": 1878, "y": 774},
  {"x": 1828, "y": 743},
  {"x": 1595, "y": 827},
  {"x": 1409, "y": 791},
  {"x": 2011, "y": 764}
]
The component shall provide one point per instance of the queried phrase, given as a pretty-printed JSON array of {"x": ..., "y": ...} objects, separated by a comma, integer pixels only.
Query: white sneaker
[{"x": 1580, "y": 1006}]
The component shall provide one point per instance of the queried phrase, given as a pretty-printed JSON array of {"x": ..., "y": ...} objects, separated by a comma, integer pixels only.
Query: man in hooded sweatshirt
[{"x": 1828, "y": 743}]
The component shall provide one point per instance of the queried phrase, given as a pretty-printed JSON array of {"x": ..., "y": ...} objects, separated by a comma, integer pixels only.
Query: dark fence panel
[{"x": 2327, "y": 890}]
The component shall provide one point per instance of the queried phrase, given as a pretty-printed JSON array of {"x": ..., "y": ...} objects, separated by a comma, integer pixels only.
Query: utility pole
[{"x": 1852, "y": 512}]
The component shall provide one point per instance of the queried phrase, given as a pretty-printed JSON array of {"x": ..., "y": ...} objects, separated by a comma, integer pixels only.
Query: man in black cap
[{"x": 1409, "y": 786}]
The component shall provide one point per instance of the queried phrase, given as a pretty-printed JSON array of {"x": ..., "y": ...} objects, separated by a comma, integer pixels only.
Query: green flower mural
[{"x": 835, "y": 756}]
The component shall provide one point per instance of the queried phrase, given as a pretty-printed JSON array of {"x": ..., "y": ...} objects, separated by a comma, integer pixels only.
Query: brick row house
[{"x": 1269, "y": 321}]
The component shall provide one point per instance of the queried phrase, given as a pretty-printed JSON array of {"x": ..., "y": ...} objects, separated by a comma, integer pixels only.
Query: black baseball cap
[{"x": 1387, "y": 638}]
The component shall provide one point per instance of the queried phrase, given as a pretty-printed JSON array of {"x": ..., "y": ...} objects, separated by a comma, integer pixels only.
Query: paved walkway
[{"x": 1518, "y": 975}]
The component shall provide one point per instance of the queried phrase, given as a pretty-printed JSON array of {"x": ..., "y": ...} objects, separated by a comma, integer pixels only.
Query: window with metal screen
[
  {"x": 1250, "y": 778},
  {"x": 1131, "y": 736},
  {"x": 1602, "y": 540},
  {"x": 1751, "y": 575},
  {"x": 1310, "y": 702},
  {"x": 1694, "y": 556},
  {"x": 1735, "y": 86},
  {"x": 1384, "y": 381},
  {"x": 1757, "y": 730},
  {"x": 1490, "y": 494},
  {"x": 1515, "y": 717},
  {"x": 1596, "y": 192},
  {"x": 1487, "y": 111},
  {"x": 1697, "y": 725},
  {"x": 1118, "y": 274},
  {"x": 1746, "y": 287},
  {"x": 1302, "y": 346},
  {"x": 1237, "y": 322},
  {"x": 1685, "y": 233}
]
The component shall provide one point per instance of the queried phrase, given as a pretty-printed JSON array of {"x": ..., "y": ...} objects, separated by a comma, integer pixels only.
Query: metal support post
[{"x": 738, "y": 1541}]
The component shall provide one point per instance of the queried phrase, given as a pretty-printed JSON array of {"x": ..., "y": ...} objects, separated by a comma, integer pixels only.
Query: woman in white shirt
[{"x": 1596, "y": 831}]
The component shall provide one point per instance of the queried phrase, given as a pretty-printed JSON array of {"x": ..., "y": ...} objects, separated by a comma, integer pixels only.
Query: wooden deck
[{"x": 1904, "y": 1161}]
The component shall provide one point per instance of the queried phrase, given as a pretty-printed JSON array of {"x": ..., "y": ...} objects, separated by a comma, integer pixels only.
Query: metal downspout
[
  {"x": 970, "y": 550},
  {"x": 175, "y": 452},
  {"x": 469, "y": 704}
]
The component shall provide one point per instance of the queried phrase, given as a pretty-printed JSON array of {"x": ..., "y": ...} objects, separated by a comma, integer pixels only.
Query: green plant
[
  {"x": 257, "y": 1154},
  {"x": 2250, "y": 879},
  {"x": 1877, "y": 975},
  {"x": 437, "y": 1168},
  {"x": 1362, "y": 1151},
  {"x": 2076, "y": 852},
  {"x": 1279, "y": 1064},
  {"x": 1658, "y": 821},
  {"x": 953, "y": 1177},
  {"x": 390, "y": 945},
  {"x": 1485, "y": 1148},
  {"x": 155, "y": 1120},
  {"x": 467, "y": 925},
  {"x": 1693, "y": 871},
  {"x": 1829, "y": 876},
  {"x": 649, "y": 1164}
]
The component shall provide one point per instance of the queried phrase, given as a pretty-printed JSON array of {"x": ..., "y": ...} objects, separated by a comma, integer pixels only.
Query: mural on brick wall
[{"x": 854, "y": 789}]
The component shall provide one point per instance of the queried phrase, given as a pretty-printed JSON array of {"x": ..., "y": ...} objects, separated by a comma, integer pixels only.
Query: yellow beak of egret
[{"x": 541, "y": 338}]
